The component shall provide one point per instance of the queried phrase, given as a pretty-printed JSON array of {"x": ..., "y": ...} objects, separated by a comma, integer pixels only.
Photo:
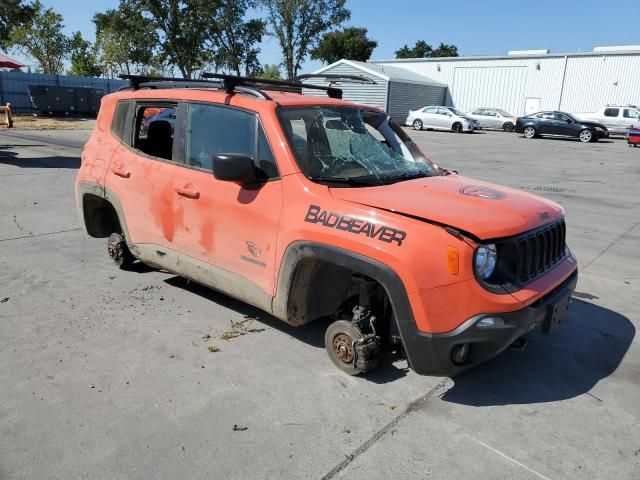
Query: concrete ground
[{"x": 107, "y": 374}]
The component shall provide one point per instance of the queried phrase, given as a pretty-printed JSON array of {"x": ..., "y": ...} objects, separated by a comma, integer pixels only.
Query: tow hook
[{"x": 519, "y": 344}]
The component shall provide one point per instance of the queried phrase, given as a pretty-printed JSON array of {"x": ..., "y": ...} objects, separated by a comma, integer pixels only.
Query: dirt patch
[{"x": 31, "y": 122}]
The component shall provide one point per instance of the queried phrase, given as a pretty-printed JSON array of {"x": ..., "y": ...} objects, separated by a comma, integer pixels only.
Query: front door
[{"x": 221, "y": 223}]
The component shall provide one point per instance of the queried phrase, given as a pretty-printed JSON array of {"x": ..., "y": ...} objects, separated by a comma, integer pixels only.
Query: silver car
[
  {"x": 493, "y": 118},
  {"x": 440, "y": 118}
]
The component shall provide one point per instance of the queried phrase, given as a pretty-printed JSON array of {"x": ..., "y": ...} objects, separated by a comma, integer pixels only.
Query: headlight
[{"x": 485, "y": 260}]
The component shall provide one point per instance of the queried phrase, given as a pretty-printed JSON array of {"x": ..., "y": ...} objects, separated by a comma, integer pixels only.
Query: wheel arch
[
  {"x": 297, "y": 283},
  {"x": 100, "y": 210}
]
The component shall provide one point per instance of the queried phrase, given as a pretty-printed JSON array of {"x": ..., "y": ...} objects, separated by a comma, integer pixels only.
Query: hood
[
  {"x": 482, "y": 209},
  {"x": 594, "y": 124}
]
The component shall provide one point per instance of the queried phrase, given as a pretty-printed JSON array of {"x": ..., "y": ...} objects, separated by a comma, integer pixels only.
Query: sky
[{"x": 478, "y": 27}]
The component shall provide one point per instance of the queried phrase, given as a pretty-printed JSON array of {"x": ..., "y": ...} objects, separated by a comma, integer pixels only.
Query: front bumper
[{"x": 431, "y": 354}]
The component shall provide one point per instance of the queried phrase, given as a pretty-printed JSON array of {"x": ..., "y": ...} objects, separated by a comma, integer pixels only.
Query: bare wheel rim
[
  {"x": 417, "y": 125},
  {"x": 529, "y": 132},
  {"x": 585, "y": 136}
]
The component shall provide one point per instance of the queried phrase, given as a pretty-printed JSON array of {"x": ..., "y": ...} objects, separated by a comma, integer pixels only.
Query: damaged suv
[{"x": 315, "y": 209}]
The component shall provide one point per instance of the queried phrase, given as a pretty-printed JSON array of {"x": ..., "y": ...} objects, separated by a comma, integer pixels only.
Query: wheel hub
[
  {"x": 343, "y": 348},
  {"x": 114, "y": 250}
]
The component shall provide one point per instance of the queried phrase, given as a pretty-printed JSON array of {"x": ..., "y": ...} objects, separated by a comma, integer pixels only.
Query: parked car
[
  {"x": 493, "y": 118},
  {"x": 617, "y": 118},
  {"x": 440, "y": 118},
  {"x": 560, "y": 124},
  {"x": 317, "y": 209}
]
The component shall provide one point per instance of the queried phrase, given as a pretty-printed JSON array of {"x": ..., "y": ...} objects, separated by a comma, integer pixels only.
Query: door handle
[
  {"x": 188, "y": 192},
  {"x": 119, "y": 171}
]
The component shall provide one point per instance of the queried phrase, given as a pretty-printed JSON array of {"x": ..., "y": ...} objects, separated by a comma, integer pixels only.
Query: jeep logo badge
[{"x": 482, "y": 192}]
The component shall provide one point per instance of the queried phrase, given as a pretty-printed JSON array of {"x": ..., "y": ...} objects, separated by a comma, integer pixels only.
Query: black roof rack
[
  {"x": 230, "y": 83},
  {"x": 250, "y": 85},
  {"x": 334, "y": 78}
]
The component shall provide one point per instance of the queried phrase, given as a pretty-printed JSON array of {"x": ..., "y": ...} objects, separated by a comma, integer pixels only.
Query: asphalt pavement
[{"x": 108, "y": 374}]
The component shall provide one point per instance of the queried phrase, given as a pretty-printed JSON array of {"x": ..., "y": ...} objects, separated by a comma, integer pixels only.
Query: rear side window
[
  {"x": 154, "y": 129},
  {"x": 119, "y": 119},
  {"x": 212, "y": 130},
  {"x": 611, "y": 112}
]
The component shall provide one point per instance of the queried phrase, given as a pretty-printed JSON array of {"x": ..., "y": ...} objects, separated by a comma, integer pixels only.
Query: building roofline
[
  {"x": 383, "y": 76},
  {"x": 507, "y": 57}
]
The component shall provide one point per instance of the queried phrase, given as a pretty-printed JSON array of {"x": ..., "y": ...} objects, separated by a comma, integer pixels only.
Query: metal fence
[{"x": 14, "y": 86}]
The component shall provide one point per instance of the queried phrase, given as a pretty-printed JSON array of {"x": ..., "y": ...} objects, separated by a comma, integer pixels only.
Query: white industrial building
[{"x": 521, "y": 82}]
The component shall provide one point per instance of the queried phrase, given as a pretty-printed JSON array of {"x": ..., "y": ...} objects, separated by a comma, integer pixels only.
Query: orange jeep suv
[{"x": 313, "y": 208}]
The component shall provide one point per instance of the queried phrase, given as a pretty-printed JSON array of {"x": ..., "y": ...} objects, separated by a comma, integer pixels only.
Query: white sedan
[
  {"x": 440, "y": 118},
  {"x": 494, "y": 118}
]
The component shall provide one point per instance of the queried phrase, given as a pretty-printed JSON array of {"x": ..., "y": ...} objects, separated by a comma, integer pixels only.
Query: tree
[
  {"x": 13, "y": 14},
  {"x": 124, "y": 40},
  {"x": 445, "y": 50},
  {"x": 351, "y": 43},
  {"x": 182, "y": 30},
  {"x": 83, "y": 58},
  {"x": 41, "y": 38},
  {"x": 269, "y": 71},
  {"x": 420, "y": 50},
  {"x": 298, "y": 24},
  {"x": 423, "y": 50},
  {"x": 234, "y": 40}
]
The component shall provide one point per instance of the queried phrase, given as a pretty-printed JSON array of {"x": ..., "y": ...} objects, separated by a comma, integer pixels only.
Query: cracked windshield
[{"x": 352, "y": 146}]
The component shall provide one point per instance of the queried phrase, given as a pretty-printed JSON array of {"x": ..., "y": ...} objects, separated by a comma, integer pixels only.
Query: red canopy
[{"x": 9, "y": 62}]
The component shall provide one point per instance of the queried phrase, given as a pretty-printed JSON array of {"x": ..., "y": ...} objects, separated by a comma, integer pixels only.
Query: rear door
[
  {"x": 547, "y": 123},
  {"x": 611, "y": 117},
  {"x": 142, "y": 159},
  {"x": 429, "y": 116}
]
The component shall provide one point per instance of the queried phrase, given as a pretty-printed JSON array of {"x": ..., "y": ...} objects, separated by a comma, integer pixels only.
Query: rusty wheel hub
[
  {"x": 343, "y": 348},
  {"x": 113, "y": 250}
]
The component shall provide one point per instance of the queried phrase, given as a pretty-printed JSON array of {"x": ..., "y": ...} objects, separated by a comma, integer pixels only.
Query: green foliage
[
  {"x": 269, "y": 71},
  {"x": 298, "y": 24},
  {"x": 423, "y": 50},
  {"x": 445, "y": 50},
  {"x": 234, "y": 40},
  {"x": 124, "y": 40},
  {"x": 182, "y": 30},
  {"x": 13, "y": 14},
  {"x": 83, "y": 58},
  {"x": 351, "y": 43},
  {"x": 41, "y": 38}
]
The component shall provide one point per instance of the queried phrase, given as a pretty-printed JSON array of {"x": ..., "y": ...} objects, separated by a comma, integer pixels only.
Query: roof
[
  {"x": 7, "y": 62},
  {"x": 216, "y": 95},
  {"x": 388, "y": 73},
  {"x": 507, "y": 57}
]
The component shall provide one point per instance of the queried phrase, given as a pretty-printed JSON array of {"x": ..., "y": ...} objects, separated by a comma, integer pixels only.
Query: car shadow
[
  {"x": 588, "y": 347},
  {"x": 567, "y": 139},
  {"x": 10, "y": 157},
  {"x": 391, "y": 365}
]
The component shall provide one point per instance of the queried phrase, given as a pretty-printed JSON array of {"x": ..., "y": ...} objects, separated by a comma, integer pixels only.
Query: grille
[{"x": 539, "y": 250}]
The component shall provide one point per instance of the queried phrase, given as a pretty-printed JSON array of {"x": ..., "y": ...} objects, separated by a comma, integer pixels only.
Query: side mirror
[{"x": 234, "y": 167}]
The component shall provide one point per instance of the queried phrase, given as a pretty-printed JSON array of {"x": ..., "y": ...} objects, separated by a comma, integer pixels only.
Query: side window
[
  {"x": 562, "y": 118},
  {"x": 478, "y": 111},
  {"x": 212, "y": 130},
  {"x": 628, "y": 113},
  {"x": 490, "y": 113},
  {"x": 611, "y": 112},
  {"x": 443, "y": 111},
  {"x": 119, "y": 119},
  {"x": 154, "y": 127},
  {"x": 430, "y": 110}
]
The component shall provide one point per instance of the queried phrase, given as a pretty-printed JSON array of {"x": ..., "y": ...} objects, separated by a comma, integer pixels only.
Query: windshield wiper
[
  {"x": 407, "y": 176},
  {"x": 354, "y": 181}
]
